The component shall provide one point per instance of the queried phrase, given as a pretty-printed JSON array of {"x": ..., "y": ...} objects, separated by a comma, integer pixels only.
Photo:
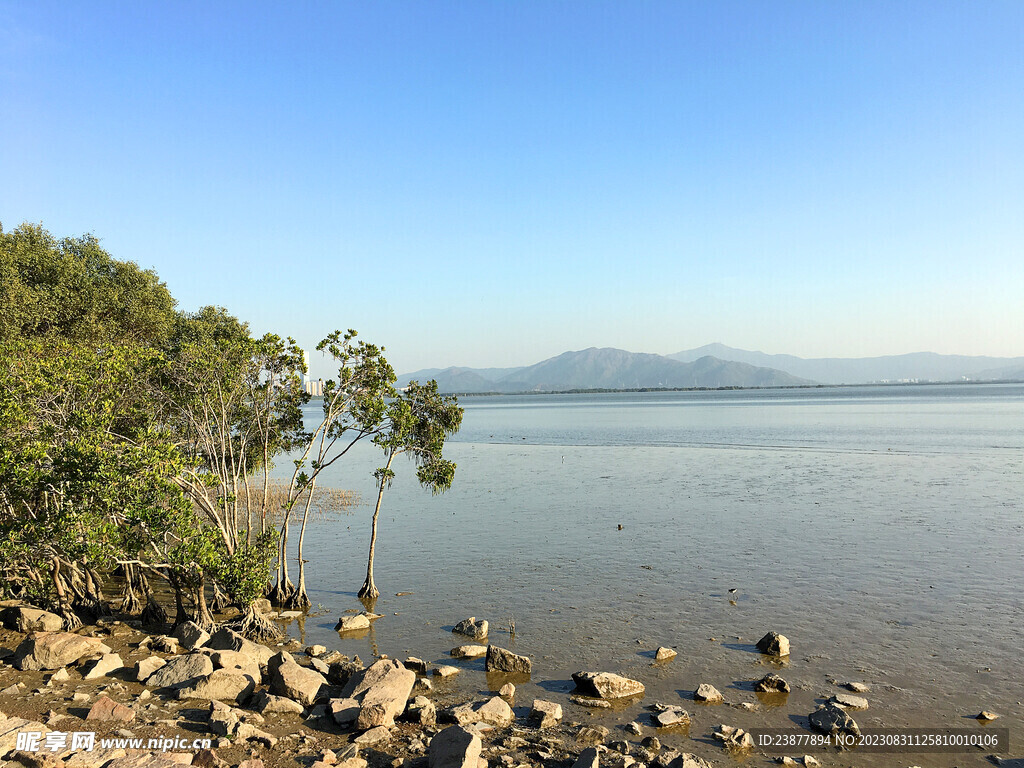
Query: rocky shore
[{"x": 218, "y": 700}]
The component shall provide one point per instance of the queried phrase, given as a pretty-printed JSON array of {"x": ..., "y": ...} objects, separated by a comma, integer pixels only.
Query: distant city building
[{"x": 314, "y": 388}]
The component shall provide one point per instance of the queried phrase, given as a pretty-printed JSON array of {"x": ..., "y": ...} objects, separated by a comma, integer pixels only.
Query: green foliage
[
  {"x": 72, "y": 289},
  {"x": 243, "y": 573}
]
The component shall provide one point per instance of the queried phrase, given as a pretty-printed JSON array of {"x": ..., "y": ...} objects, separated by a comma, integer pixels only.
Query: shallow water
[{"x": 880, "y": 529}]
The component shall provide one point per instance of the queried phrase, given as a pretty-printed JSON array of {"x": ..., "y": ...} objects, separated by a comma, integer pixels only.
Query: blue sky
[{"x": 495, "y": 183}]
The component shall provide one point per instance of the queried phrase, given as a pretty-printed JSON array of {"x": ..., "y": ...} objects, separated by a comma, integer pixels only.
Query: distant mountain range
[
  {"x": 917, "y": 366},
  {"x": 714, "y": 365},
  {"x": 605, "y": 369}
]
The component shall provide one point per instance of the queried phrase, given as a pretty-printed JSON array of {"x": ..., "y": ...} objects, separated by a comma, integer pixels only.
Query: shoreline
[{"x": 61, "y": 698}]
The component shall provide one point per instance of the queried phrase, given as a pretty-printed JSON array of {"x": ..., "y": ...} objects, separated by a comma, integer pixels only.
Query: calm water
[{"x": 880, "y": 529}]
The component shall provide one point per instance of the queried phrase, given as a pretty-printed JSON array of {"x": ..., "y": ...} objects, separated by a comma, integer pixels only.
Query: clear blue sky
[{"x": 493, "y": 183}]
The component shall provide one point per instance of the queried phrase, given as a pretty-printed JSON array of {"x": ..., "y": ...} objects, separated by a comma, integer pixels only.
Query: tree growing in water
[{"x": 417, "y": 423}]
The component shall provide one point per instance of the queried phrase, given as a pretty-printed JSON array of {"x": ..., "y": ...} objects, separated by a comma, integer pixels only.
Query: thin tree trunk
[
  {"x": 369, "y": 589},
  {"x": 299, "y": 600}
]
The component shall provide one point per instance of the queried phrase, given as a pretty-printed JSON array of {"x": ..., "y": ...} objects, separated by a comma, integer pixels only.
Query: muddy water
[{"x": 881, "y": 530}]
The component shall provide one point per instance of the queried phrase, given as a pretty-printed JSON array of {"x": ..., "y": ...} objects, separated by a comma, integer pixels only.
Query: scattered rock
[
  {"x": 445, "y": 670},
  {"x": 833, "y": 719},
  {"x": 190, "y": 635},
  {"x": 386, "y": 695},
  {"x": 469, "y": 651},
  {"x": 495, "y": 711},
  {"x": 811, "y": 762},
  {"x": 544, "y": 714},
  {"x": 858, "y": 687},
  {"x": 103, "y": 666},
  {"x": 422, "y": 711},
  {"x": 107, "y": 709},
  {"x": 60, "y": 676},
  {"x": 591, "y": 735},
  {"x": 344, "y": 712},
  {"x": 672, "y": 717},
  {"x": 25, "y": 619},
  {"x": 734, "y": 737},
  {"x": 180, "y": 670},
  {"x": 507, "y": 691},
  {"x": 237, "y": 661},
  {"x": 606, "y": 685},
  {"x": 352, "y": 623},
  {"x": 53, "y": 650},
  {"x": 315, "y": 651},
  {"x": 146, "y": 667},
  {"x": 588, "y": 759},
  {"x": 986, "y": 715},
  {"x": 664, "y": 654},
  {"x": 297, "y": 683},
  {"x": 472, "y": 628},
  {"x": 590, "y": 701},
  {"x": 225, "y": 639},
  {"x": 267, "y": 703},
  {"x": 502, "y": 660},
  {"x": 771, "y": 683},
  {"x": 847, "y": 701},
  {"x": 708, "y": 694},
  {"x": 221, "y": 684},
  {"x": 454, "y": 747},
  {"x": 774, "y": 644},
  {"x": 419, "y": 666}
]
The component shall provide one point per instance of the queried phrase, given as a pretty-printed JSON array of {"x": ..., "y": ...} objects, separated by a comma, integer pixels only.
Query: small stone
[
  {"x": 858, "y": 687},
  {"x": 544, "y": 714},
  {"x": 811, "y": 762},
  {"x": 419, "y": 666},
  {"x": 606, "y": 685},
  {"x": 771, "y": 683},
  {"x": 507, "y": 691},
  {"x": 590, "y": 701},
  {"x": 591, "y": 736},
  {"x": 374, "y": 736},
  {"x": 352, "y": 623},
  {"x": 664, "y": 654},
  {"x": 472, "y": 628},
  {"x": 708, "y": 694},
  {"x": 503, "y": 660},
  {"x": 469, "y": 651},
  {"x": 315, "y": 651},
  {"x": 846, "y": 701},
  {"x": 986, "y": 715},
  {"x": 833, "y": 719},
  {"x": 60, "y": 676},
  {"x": 445, "y": 671},
  {"x": 635, "y": 728},
  {"x": 774, "y": 644},
  {"x": 731, "y": 736},
  {"x": 454, "y": 747},
  {"x": 497, "y": 712},
  {"x": 671, "y": 717},
  {"x": 103, "y": 666},
  {"x": 107, "y": 709}
]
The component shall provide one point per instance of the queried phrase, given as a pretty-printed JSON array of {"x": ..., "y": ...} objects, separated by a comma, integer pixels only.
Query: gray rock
[
  {"x": 384, "y": 692},
  {"x": 507, "y": 691},
  {"x": 190, "y": 635},
  {"x": 315, "y": 651},
  {"x": 734, "y": 737},
  {"x": 774, "y": 644},
  {"x": 771, "y": 683},
  {"x": 223, "y": 719},
  {"x": 221, "y": 684},
  {"x": 225, "y": 639},
  {"x": 606, "y": 685},
  {"x": 544, "y": 714},
  {"x": 445, "y": 670},
  {"x": 590, "y": 701},
  {"x": 275, "y": 662},
  {"x": 344, "y": 712},
  {"x": 25, "y": 619},
  {"x": 672, "y": 717},
  {"x": 502, "y": 660},
  {"x": 180, "y": 669},
  {"x": 472, "y": 628},
  {"x": 53, "y": 650},
  {"x": 103, "y": 666},
  {"x": 664, "y": 654},
  {"x": 378, "y": 734},
  {"x": 454, "y": 747},
  {"x": 419, "y": 666},
  {"x": 831, "y": 719},
  {"x": 708, "y": 694},
  {"x": 858, "y": 687},
  {"x": 297, "y": 683},
  {"x": 591, "y": 735},
  {"x": 238, "y": 661}
]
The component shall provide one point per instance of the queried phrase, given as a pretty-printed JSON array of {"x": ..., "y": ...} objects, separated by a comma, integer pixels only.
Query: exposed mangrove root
[
  {"x": 298, "y": 600},
  {"x": 256, "y": 627},
  {"x": 154, "y": 614},
  {"x": 281, "y": 593},
  {"x": 220, "y": 599}
]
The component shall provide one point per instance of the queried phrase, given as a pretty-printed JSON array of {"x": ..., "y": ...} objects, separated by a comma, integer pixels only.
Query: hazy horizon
[{"x": 493, "y": 185}]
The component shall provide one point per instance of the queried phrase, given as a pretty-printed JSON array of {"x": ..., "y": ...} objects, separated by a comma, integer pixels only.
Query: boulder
[
  {"x": 344, "y": 712},
  {"x": 275, "y": 662},
  {"x": 238, "y": 661},
  {"x": 384, "y": 692},
  {"x": 454, "y": 747},
  {"x": 103, "y": 666},
  {"x": 496, "y": 712},
  {"x": 221, "y": 684},
  {"x": 591, "y": 735},
  {"x": 419, "y": 666},
  {"x": 107, "y": 709},
  {"x": 53, "y": 650},
  {"x": 223, "y": 719},
  {"x": 445, "y": 670},
  {"x": 469, "y": 651},
  {"x": 25, "y": 619},
  {"x": 832, "y": 719},
  {"x": 774, "y": 644},
  {"x": 771, "y": 683},
  {"x": 708, "y": 694},
  {"x": 297, "y": 683},
  {"x": 664, "y": 654},
  {"x": 352, "y": 623},
  {"x": 225, "y": 639},
  {"x": 180, "y": 669},
  {"x": 379, "y": 734},
  {"x": 10, "y": 727},
  {"x": 606, "y": 685},
  {"x": 267, "y": 703},
  {"x": 671, "y": 717},
  {"x": 472, "y": 628},
  {"x": 544, "y": 714},
  {"x": 146, "y": 667},
  {"x": 502, "y": 660},
  {"x": 190, "y": 635}
]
